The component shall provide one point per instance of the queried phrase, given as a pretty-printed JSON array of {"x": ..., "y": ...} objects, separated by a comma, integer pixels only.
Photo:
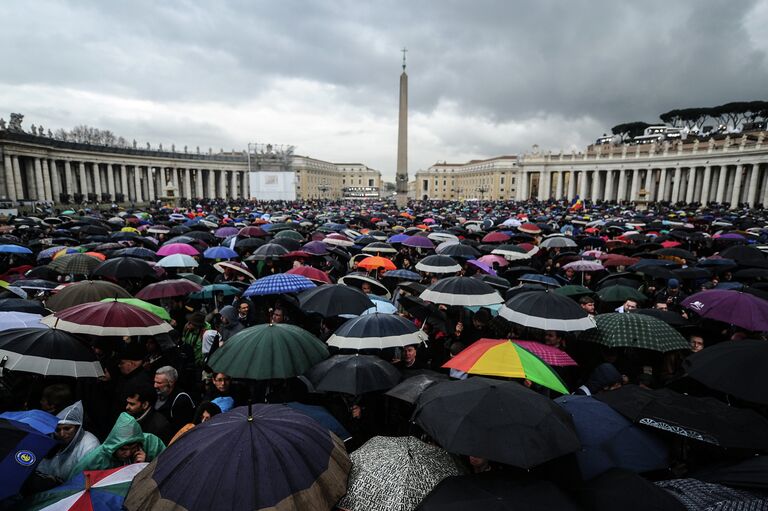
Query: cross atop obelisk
[{"x": 401, "y": 179}]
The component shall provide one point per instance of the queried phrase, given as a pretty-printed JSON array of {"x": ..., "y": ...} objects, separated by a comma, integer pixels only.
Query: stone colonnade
[
  {"x": 732, "y": 183},
  {"x": 35, "y": 177}
]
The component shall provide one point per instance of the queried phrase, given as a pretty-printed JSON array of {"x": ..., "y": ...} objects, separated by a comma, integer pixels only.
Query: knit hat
[{"x": 673, "y": 283}]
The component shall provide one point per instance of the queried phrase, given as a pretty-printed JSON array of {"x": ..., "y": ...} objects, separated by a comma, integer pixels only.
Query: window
[
  {"x": 370, "y": 182},
  {"x": 502, "y": 179}
]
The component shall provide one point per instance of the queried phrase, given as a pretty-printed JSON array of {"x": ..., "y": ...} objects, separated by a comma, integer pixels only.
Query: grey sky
[{"x": 486, "y": 78}]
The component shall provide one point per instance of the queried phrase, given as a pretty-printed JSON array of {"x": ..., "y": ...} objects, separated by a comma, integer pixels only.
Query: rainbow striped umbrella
[
  {"x": 501, "y": 357},
  {"x": 92, "y": 490}
]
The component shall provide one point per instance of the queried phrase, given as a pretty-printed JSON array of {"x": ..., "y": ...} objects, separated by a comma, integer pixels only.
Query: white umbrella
[
  {"x": 11, "y": 319},
  {"x": 177, "y": 261}
]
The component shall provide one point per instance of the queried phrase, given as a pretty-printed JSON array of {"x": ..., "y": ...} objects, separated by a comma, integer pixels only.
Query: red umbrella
[
  {"x": 107, "y": 319},
  {"x": 618, "y": 260},
  {"x": 168, "y": 289},
  {"x": 253, "y": 231},
  {"x": 311, "y": 273},
  {"x": 529, "y": 228},
  {"x": 495, "y": 237}
]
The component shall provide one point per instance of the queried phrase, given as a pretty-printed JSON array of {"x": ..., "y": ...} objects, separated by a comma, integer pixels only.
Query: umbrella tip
[{"x": 250, "y": 411}]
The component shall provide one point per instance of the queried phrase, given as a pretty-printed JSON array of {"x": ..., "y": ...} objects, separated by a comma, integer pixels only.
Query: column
[
  {"x": 559, "y": 186},
  {"x": 211, "y": 194},
  {"x": 622, "y": 195},
  {"x": 97, "y": 180},
  {"x": 17, "y": 177},
  {"x": 705, "y": 185},
  {"x": 199, "y": 183},
  {"x": 10, "y": 178},
  {"x": 690, "y": 185},
  {"x": 736, "y": 196},
  {"x": 187, "y": 184},
  {"x": 222, "y": 193},
  {"x": 137, "y": 184},
  {"x": 583, "y": 185},
  {"x": 676, "y": 185},
  {"x": 721, "y": 179},
  {"x": 752, "y": 191},
  {"x": 635, "y": 185},
  {"x": 55, "y": 181},
  {"x": 233, "y": 185},
  {"x": 83, "y": 180},
  {"x": 111, "y": 182},
  {"x": 595, "y": 186},
  {"x": 68, "y": 179},
  {"x": 39, "y": 181},
  {"x": 175, "y": 181},
  {"x": 46, "y": 180},
  {"x": 765, "y": 185},
  {"x": 247, "y": 184},
  {"x": 650, "y": 185},
  {"x": 609, "y": 185},
  {"x": 29, "y": 171},
  {"x": 124, "y": 182},
  {"x": 571, "y": 185},
  {"x": 662, "y": 195}
]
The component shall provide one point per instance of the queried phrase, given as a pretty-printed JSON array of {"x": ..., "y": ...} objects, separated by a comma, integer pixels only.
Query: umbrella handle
[{"x": 87, "y": 482}]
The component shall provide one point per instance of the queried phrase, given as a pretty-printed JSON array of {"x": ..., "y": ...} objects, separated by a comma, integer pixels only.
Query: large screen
[{"x": 273, "y": 185}]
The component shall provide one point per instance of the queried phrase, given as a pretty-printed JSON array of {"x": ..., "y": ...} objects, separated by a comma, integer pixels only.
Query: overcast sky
[{"x": 486, "y": 77}]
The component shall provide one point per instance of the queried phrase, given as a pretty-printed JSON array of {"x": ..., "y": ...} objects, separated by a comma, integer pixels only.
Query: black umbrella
[
  {"x": 745, "y": 256},
  {"x": 48, "y": 352},
  {"x": 498, "y": 420},
  {"x": 270, "y": 251},
  {"x": 461, "y": 291},
  {"x": 124, "y": 268},
  {"x": 495, "y": 491},
  {"x": 411, "y": 388},
  {"x": 460, "y": 251},
  {"x": 701, "y": 418},
  {"x": 624, "y": 489},
  {"x": 424, "y": 311},
  {"x": 353, "y": 374},
  {"x": 35, "y": 284},
  {"x": 692, "y": 273},
  {"x": 333, "y": 300},
  {"x": 546, "y": 311},
  {"x": 249, "y": 243},
  {"x": 289, "y": 244},
  {"x": 737, "y": 368},
  {"x": 20, "y": 305},
  {"x": 749, "y": 473},
  {"x": 698, "y": 495},
  {"x": 438, "y": 263}
]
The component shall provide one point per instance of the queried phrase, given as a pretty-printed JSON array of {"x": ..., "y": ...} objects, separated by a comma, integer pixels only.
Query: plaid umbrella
[
  {"x": 634, "y": 331},
  {"x": 278, "y": 284},
  {"x": 75, "y": 264},
  {"x": 548, "y": 354},
  {"x": 395, "y": 473}
]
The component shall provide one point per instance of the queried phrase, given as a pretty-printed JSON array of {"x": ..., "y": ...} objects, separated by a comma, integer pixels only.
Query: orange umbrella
[
  {"x": 97, "y": 255},
  {"x": 376, "y": 262}
]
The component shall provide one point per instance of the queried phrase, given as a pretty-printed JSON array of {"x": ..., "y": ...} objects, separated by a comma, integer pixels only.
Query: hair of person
[
  {"x": 58, "y": 395},
  {"x": 145, "y": 393},
  {"x": 169, "y": 372},
  {"x": 205, "y": 406}
]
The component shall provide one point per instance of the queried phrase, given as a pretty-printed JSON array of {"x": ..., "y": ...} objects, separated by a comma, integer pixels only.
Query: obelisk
[{"x": 401, "y": 179}]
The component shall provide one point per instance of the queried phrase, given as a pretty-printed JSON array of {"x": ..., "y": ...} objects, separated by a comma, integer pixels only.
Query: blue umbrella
[
  {"x": 43, "y": 422},
  {"x": 220, "y": 253},
  {"x": 609, "y": 440},
  {"x": 279, "y": 283},
  {"x": 14, "y": 249},
  {"x": 21, "y": 449},
  {"x": 398, "y": 238},
  {"x": 210, "y": 291},
  {"x": 539, "y": 279},
  {"x": 322, "y": 416},
  {"x": 404, "y": 275},
  {"x": 140, "y": 252},
  {"x": 48, "y": 253}
]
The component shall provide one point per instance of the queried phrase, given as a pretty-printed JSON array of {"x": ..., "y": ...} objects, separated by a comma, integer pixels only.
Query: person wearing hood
[
  {"x": 125, "y": 444},
  {"x": 605, "y": 377},
  {"x": 230, "y": 323},
  {"x": 74, "y": 443}
]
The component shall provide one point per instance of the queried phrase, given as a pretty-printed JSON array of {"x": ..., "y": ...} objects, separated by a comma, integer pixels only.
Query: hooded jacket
[
  {"x": 125, "y": 431},
  {"x": 232, "y": 325},
  {"x": 61, "y": 464}
]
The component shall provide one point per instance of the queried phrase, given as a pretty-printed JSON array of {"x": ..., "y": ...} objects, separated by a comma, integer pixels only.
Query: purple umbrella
[
  {"x": 733, "y": 307},
  {"x": 315, "y": 248},
  {"x": 398, "y": 238},
  {"x": 482, "y": 267},
  {"x": 418, "y": 242},
  {"x": 223, "y": 232}
]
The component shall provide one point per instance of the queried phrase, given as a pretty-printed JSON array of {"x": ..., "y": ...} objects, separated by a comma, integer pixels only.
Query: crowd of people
[{"x": 603, "y": 260}]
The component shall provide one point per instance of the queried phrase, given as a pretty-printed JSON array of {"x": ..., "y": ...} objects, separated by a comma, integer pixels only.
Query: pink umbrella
[
  {"x": 582, "y": 265},
  {"x": 491, "y": 259},
  {"x": 496, "y": 237},
  {"x": 178, "y": 248},
  {"x": 548, "y": 354},
  {"x": 311, "y": 273}
]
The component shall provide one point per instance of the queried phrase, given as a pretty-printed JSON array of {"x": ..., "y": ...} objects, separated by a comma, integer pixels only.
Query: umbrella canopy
[
  {"x": 14, "y": 249},
  {"x": 378, "y": 248},
  {"x": 671, "y": 318},
  {"x": 558, "y": 242},
  {"x": 43, "y": 422},
  {"x": 109, "y": 318},
  {"x": 701, "y": 418},
  {"x": 511, "y": 252},
  {"x": 698, "y": 495},
  {"x": 278, "y": 284},
  {"x": 574, "y": 291},
  {"x": 312, "y": 273},
  {"x": 376, "y": 331},
  {"x": 535, "y": 278},
  {"x": 235, "y": 266},
  {"x": 220, "y": 253},
  {"x": 211, "y": 291},
  {"x": 461, "y": 291},
  {"x": 266, "y": 352},
  {"x": 496, "y": 420},
  {"x": 736, "y": 368},
  {"x": 75, "y": 264},
  {"x": 496, "y": 491},
  {"x": 141, "y": 304},
  {"x": 124, "y": 268},
  {"x": 634, "y": 331},
  {"x": 439, "y": 264},
  {"x": 88, "y": 490},
  {"x": 334, "y": 299},
  {"x": 418, "y": 242},
  {"x": 459, "y": 251},
  {"x": 403, "y": 275},
  {"x": 177, "y": 248},
  {"x": 84, "y": 292},
  {"x": 353, "y": 374},
  {"x": 583, "y": 265},
  {"x": 322, "y": 416},
  {"x": 21, "y": 449},
  {"x": 546, "y": 311},
  {"x": 395, "y": 474},
  {"x": 549, "y": 354},
  {"x": 10, "y": 320},
  {"x": 620, "y": 293},
  {"x": 270, "y": 251},
  {"x": 284, "y": 460},
  {"x": 376, "y": 262},
  {"x": 21, "y": 305},
  {"x": 411, "y": 388},
  {"x": 168, "y": 289},
  {"x": 733, "y": 307},
  {"x": 608, "y": 440},
  {"x": 501, "y": 357},
  {"x": 178, "y": 261}
]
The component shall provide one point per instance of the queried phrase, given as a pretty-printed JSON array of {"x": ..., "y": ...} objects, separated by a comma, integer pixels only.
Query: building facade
[{"x": 491, "y": 179}]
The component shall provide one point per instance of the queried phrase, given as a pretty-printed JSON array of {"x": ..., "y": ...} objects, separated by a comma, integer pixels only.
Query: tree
[{"x": 630, "y": 129}]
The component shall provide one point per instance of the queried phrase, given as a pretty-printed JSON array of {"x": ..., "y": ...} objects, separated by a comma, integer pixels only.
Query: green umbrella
[
  {"x": 574, "y": 291},
  {"x": 197, "y": 279},
  {"x": 266, "y": 352},
  {"x": 149, "y": 307},
  {"x": 210, "y": 291},
  {"x": 634, "y": 331},
  {"x": 620, "y": 294},
  {"x": 294, "y": 235}
]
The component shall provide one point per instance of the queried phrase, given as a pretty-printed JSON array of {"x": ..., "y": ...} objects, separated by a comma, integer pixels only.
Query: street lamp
[
  {"x": 323, "y": 188},
  {"x": 481, "y": 190}
]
